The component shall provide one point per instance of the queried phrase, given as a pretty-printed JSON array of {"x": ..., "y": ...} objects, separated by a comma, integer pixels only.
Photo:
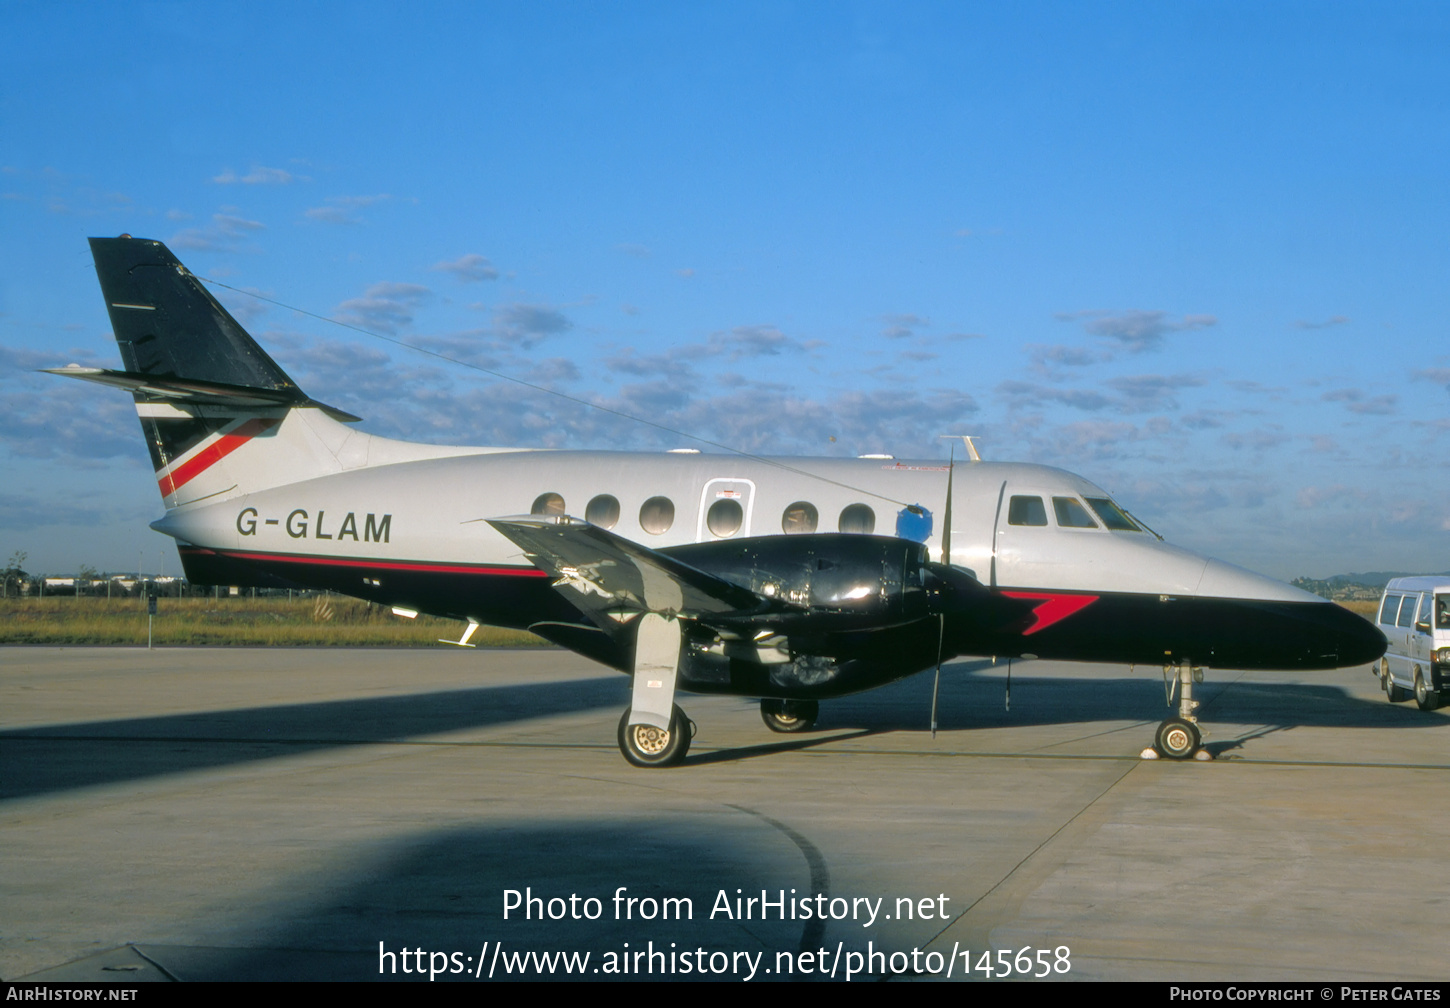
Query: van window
[
  {"x": 1071, "y": 514},
  {"x": 799, "y": 518},
  {"x": 547, "y": 504},
  {"x": 656, "y": 515},
  {"x": 1423, "y": 614},
  {"x": 1026, "y": 511},
  {"x": 1442, "y": 612},
  {"x": 1407, "y": 611},
  {"x": 1389, "y": 609}
]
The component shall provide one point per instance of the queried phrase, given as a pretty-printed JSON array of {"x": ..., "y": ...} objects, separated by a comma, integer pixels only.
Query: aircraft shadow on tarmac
[
  {"x": 442, "y": 890},
  {"x": 56, "y": 758}
]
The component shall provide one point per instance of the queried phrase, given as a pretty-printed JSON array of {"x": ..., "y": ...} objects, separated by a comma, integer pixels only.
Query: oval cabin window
[
  {"x": 547, "y": 504},
  {"x": 656, "y": 515},
  {"x": 799, "y": 518},
  {"x": 724, "y": 518},
  {"x": 857, "y": 518},
  {"x": 603, "y": 511}
]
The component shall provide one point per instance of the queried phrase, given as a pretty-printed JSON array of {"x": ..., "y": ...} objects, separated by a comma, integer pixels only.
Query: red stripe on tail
[{"x": 212, "y": 454}]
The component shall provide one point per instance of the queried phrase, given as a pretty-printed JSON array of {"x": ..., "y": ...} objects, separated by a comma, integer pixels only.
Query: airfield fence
[{"x": 269, "y": 619}]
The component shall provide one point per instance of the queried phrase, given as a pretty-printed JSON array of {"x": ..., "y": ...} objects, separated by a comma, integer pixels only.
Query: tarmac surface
[{"x": 217, "y": 814}]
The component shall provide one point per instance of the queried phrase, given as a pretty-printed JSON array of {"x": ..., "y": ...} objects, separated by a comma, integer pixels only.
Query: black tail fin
[
  {"x": 168, "y": 325},
  {"x": 214, "y": 408}
]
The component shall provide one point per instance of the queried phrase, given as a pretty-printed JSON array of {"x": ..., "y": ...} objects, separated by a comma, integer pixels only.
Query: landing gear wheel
[
  {"x": 648, "y": 746},
  {"x": 1177, "y": 738},
  {"x": 789, "y": 716},
  {"x": 1425, "y": 697}
]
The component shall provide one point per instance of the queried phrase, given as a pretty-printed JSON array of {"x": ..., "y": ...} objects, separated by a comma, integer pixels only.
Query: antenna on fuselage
[{"x": 967, "y": 439}]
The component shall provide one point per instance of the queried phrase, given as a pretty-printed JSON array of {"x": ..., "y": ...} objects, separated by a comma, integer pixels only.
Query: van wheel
[
  {"x": 1425, "y": 697},
  {"x": 1395, "y": 694}
]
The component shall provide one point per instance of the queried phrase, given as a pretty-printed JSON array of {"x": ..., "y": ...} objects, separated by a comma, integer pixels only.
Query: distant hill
[
  {"x": 1378, "y": 579},
  {"x": 1348, "y": 587}
]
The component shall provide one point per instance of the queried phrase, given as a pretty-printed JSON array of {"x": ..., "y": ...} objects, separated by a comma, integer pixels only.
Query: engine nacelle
[{"x": 876, "y": 579}]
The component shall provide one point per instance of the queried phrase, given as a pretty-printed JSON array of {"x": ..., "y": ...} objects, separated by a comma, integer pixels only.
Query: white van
[{"x": 1414, "y": 616}]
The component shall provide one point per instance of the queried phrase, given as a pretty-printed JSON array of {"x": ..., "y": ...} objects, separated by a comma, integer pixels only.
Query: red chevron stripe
[
  {"x": 212, "y": 454},
  {"x": 1052, "y": 609}
]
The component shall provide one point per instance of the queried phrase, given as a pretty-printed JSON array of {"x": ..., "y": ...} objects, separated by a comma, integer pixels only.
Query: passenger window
[
  {"x": 656, "y": 515},
  {"x": 1071, "y": 514},
  {"x": 799, "y": 518},
  {"x": 1026, "y": 511},
  {"x": 857, "y": 518},
  {"x": 1407, "y": 611},
  {"x": 1112, "y": 516},
  {"x": 1390, "y": 608},
  {"x": 724, "y": 518},
  {"x": 548, "y": 504},
  {"x": 1423, "y": 615},
  {"x": 603, "y": 511},
  {"x": 1442, "y": 612}
]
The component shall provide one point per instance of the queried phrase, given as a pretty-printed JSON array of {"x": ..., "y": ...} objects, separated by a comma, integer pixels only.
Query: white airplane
[{"x": 711, "y": 573}]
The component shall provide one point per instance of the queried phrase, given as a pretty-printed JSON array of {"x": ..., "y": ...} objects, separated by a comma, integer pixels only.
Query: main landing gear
[
  {"x": 1179, "y": 737},
  {"x": 789, "y": 716},
  {"x": 645, "y": 745}
]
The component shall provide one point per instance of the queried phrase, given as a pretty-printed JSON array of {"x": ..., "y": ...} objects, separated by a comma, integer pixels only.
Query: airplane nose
[{"x": 1359, "y": 640}]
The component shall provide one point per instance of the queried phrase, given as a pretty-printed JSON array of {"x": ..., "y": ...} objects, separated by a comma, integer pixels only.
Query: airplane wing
[{"x": 610, "y": 577}]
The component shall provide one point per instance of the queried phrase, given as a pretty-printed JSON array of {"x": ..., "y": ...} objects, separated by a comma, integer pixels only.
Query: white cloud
[
  {"x": 225, "y": 234},
  {"x": 343, "y": 209},
  {"x": 259, "y": 175},
  {"x": 385, "y": 307},
  {"x": 470, "y": 268},
  {"x": 1136, "y": 330}
]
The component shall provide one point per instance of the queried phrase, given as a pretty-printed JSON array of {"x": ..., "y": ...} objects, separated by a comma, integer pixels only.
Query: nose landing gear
[{"x": 1179, "y": 737}]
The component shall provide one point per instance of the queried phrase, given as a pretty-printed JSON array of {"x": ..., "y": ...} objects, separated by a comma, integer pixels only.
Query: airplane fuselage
[{"x": 412, "y": 535}]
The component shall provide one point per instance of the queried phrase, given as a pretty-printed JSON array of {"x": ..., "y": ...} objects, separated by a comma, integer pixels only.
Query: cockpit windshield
[{"x": 1112, "y": 515}]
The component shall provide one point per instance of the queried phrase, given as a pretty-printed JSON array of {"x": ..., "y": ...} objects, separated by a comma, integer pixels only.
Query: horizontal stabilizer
[
  {"x": 608, "y": 573},
  {"x": 186, "y": 390}
]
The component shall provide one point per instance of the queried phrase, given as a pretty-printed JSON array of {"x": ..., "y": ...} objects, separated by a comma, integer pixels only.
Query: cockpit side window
[
  {"x": 1071, "y": 514},
  {"x": 1112, "y": 515},
  {"x": 1026, "y": 511}
]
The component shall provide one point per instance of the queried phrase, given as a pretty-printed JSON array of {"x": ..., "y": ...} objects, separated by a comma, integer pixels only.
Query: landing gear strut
[
  {"x": 1179, "y": 737},
  {"x": 789, "y": 716}
]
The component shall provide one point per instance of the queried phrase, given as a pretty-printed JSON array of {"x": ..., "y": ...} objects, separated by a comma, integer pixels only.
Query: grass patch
[{"x": 321, "y": 621}]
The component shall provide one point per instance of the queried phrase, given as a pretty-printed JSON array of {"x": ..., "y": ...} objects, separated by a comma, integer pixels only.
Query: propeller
[{"x": 946, "y": 559}]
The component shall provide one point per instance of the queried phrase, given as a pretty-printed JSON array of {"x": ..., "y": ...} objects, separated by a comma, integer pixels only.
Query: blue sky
[{"x": 1195, "y": 252}]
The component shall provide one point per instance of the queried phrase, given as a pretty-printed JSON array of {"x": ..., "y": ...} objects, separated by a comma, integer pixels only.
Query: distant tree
[{"x": 14, "y": 573}]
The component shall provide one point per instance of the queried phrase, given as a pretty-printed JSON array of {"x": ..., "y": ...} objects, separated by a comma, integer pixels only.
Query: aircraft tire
[
  {"x": 647, "y": 746},
  {"x": 1425, "y": 697},
  {"x": 789, "y": 716},
  {"x": 1177, "y": 739}
]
